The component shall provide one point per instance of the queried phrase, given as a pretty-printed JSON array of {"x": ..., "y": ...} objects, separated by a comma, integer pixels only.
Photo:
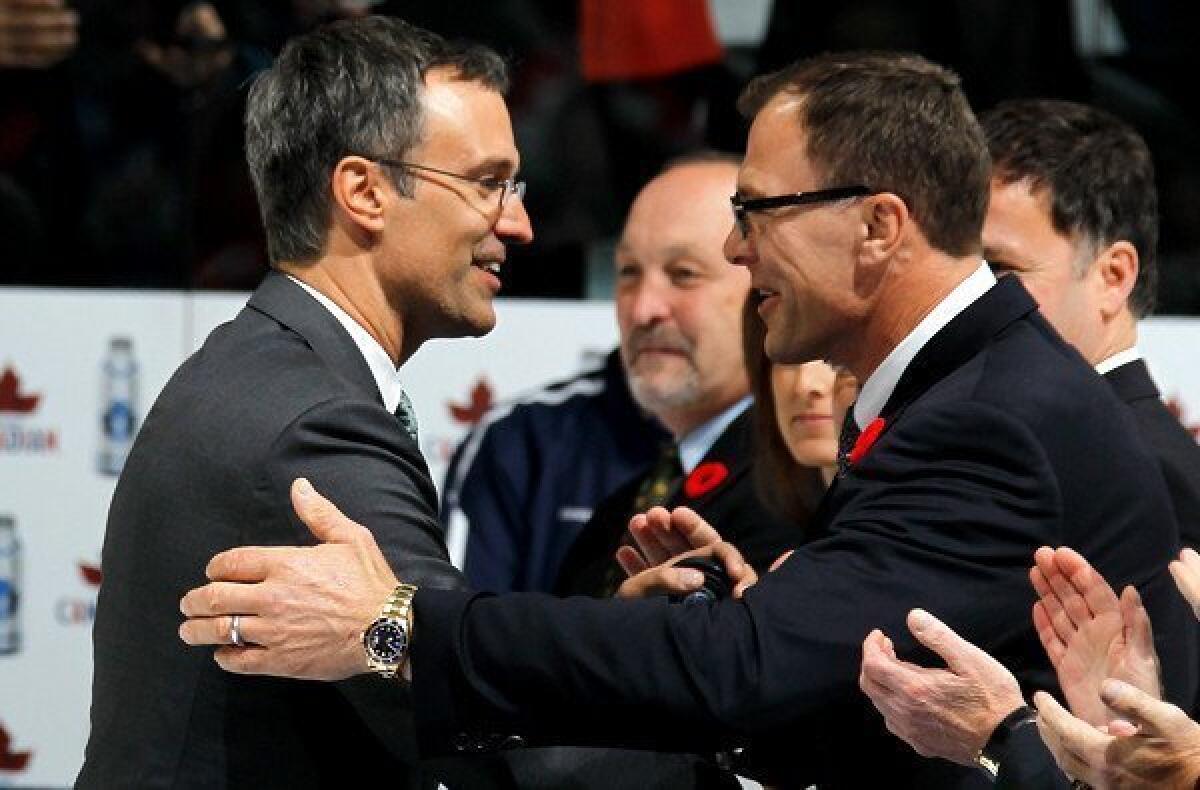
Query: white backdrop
[{"x": 52, "y": 347}]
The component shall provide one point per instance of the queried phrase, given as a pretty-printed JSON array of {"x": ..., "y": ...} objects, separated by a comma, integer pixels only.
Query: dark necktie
[
  {"x": 662, "y": 481},
  {"x": 846, "y": 441},
  {"x": 406, "y": 416},
  {"x": 659, "y": 485}
]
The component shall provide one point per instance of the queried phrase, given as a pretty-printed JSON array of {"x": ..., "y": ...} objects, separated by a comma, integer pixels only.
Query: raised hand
[
  {"x": 1089, "y": 634},
  {"x": 1162, "y": 753}
]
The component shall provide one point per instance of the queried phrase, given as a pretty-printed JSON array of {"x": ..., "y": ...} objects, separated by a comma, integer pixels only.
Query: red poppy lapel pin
[
  {"x": 705, "y": 478},
  {"x": 866, "y": 439}
]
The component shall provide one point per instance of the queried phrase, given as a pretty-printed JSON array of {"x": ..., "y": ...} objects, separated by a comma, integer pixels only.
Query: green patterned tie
[{"x": 406, "y": 416}]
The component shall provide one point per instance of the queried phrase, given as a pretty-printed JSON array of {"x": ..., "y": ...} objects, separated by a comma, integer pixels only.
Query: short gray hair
[{"x": 351, "y": 87}]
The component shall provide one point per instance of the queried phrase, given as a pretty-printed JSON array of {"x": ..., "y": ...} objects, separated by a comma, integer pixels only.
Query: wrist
[
  {"x": 386, "y": 640},
  {"x": 990, "y": 755}
]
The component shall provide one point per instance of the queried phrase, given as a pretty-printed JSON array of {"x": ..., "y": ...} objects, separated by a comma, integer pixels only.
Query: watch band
[
  {"x": 989, "y": 756},
  {"x": 399, "y": 603},
  {"x": 397, "y": 607}
]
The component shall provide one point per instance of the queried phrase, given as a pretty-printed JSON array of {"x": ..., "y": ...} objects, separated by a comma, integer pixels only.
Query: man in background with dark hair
[
  {"x": 383, "y": 159},
  {"x": 1074, "y": 214},
  {"x": 859, "y": 214}
]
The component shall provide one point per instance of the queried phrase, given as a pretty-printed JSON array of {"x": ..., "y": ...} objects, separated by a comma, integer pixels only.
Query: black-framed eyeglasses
[
  {"x": 742, "y": 207},
  {"x": 505, "y": 186}
]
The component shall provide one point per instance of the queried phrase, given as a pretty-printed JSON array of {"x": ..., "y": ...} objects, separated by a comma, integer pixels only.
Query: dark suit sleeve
[
  {"x": 946, "y": 526},
  {"x": 354, "y": 453},
  {"x": 1026, "y": 764}
]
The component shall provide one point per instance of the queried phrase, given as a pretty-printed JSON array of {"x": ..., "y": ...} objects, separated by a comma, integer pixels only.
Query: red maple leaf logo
[
  {"x": 10, "y": 398},
  {"x": 481, "y": 401},
  {"x": 91, "y": 574},
  {"x": 1175, "y": 406},
  {"x": 10, "y": 760}
]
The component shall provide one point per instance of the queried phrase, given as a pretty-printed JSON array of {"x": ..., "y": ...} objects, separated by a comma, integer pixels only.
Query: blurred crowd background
[{"x": 121, "y": 158}]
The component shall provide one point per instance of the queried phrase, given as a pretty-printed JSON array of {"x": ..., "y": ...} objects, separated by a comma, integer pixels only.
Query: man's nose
[{"x": 514, "y": 226}]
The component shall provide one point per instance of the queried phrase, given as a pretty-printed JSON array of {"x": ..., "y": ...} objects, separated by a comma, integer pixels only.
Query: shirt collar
[
  {"x": 880, "y": 385},
  {"x": 1118, "y": 359},
  {"x": 698, "y": 441},
  {"x": 387, "y": 378}
]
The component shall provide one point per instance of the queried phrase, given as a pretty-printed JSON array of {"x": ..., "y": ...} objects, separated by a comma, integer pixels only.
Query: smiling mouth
[{"x": 491, "y": 267}]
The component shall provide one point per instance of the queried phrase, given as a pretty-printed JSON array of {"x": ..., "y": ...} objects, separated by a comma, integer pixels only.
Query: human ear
[
  {"x": 357, "y": 190},
  {"x": 885, "y": 217},
  {"x": 1116, "y": 271}
]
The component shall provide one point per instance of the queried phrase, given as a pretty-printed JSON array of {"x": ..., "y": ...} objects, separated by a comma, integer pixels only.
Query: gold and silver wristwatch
[{"x": 386, "y": 640}]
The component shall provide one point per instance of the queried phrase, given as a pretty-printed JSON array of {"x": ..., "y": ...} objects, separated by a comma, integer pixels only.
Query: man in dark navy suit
[
  {"x": 1074, "y": 215},
  {"x": 982, "y": 436}
]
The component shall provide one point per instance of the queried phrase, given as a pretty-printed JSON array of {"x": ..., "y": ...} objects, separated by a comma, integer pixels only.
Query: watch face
[{"x": 386, "y": 641}]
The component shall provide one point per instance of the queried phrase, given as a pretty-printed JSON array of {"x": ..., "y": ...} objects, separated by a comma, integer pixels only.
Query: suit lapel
[
  {"x": 969, "y": 332},
  {"x": 732, "y": 451},
  {"x": 964, "y": 337},
  {"x": 1131, "y": 382},
  {"x": 282, "y": 300}
]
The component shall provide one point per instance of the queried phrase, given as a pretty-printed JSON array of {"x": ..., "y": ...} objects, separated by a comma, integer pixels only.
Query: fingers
[
  {"x": 243, "y": 564},
  {"x": 322, "y": 517},
  {"x": 695, "y": 530},
  {"x": 1056, "y": 615},
  {"x": 227, "y": 598},
  {"x": 1150, "y": 715},
  {"x": 1078, "y": 748},
  {"x": 881, "y": 671},
  {"x": 1086, "y": 581},
  {"x": 1186, "y": 572},
  {"x": 962, "y": 657},
  {"x": 1139, "y": 632},
  {"x": 630, "y": 561},
  {"x": 1051, "y": 643},
  {"x": 219, "y": 630},
  {"x": 782, "y": 558},
  {"x": 250, "y": 660},
  {"x": 653, "y": 533},
  {"x": 661, "y": 580},
  {"x": 741, "y": 575}
]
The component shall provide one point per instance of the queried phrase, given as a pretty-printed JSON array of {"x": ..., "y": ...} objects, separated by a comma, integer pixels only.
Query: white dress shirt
[
  {"x": 387, "y": 377},
  {"x": 698, "y": 441},
  {"x": 880, "y": 385}
]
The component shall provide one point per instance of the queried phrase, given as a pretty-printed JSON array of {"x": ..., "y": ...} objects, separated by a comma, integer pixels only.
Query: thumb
[
  {"x": 1151, "y": 715},
  {"x": 320, "y": 515},
  {"x": 960, "y": 655}
]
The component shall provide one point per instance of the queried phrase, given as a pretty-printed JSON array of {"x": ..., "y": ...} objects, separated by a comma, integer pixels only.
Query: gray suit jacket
[{"x": 279, "y": 392}]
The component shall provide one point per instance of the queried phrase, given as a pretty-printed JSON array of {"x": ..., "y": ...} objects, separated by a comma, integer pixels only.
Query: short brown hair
[{"x": 895, "y": 123}]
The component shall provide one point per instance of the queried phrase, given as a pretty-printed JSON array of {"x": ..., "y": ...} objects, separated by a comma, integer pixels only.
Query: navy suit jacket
[
  {"x": 1027, "y": 763},
  {"x": 999, "y": 439},
  {"x": 278, "y": 393}
]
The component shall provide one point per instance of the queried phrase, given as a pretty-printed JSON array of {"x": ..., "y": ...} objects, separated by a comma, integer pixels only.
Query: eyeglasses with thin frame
[
  {"x": 742, "y": 207},
  {"x": 506, "y": 186}
]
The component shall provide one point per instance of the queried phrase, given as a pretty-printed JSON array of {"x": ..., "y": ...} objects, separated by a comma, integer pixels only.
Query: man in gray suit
[{"x": 383, "y": 158}]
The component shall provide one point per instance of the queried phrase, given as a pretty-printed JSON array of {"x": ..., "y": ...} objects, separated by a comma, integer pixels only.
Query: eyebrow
[{"x": 495, "y": 163}]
